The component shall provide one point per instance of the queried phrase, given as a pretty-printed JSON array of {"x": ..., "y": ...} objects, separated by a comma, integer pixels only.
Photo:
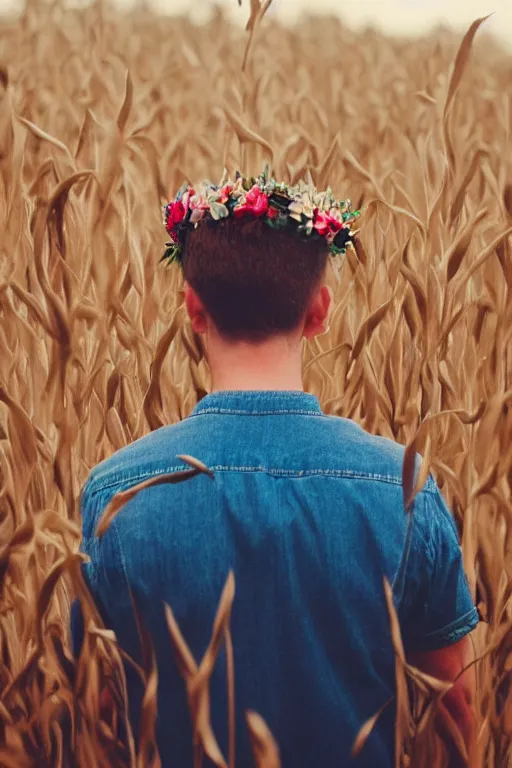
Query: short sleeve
[
  {"x": 104, "y": 573},
  {"x": 436, "y": 609}
]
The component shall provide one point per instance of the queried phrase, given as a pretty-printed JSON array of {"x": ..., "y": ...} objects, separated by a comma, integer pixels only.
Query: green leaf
[
  {"x": 281, "y": 222},
  {"x": 279, "y": 201},
  {"x": 172, "y": 253},
  {"x": 218, "y": 211}
]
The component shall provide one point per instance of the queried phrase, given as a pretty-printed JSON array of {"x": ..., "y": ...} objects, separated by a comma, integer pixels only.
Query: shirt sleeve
[
  {"x": 104, "y": 574},
  {"x": 436, "y": 609},
  {"x": 87, "y": 569}
]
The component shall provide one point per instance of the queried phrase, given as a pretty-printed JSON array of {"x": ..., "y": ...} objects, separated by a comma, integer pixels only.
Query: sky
[{"x": 392, "y": 16}]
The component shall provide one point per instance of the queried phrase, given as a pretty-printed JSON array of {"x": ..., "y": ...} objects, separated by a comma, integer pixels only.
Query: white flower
[
  {"x": 301, "y": 206},
  {"x": 238, "y": 190},
  {"x": 218, "y": 211},
  {"x": 196, "y": 215}
]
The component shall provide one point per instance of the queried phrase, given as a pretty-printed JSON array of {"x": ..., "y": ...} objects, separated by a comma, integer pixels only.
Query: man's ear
[
  {"x": 316, "y": 315},
  {"x": 195, "y": 310}
]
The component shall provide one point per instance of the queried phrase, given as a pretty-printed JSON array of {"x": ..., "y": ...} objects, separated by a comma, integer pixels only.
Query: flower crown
[{"x": 299, "y": 208}]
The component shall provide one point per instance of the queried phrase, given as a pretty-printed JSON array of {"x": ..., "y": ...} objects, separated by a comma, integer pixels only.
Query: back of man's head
[{"x": 255, "y": 282}]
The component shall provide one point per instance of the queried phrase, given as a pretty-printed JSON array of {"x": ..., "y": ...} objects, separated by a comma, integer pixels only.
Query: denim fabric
[{"x": 307, "y": 510}]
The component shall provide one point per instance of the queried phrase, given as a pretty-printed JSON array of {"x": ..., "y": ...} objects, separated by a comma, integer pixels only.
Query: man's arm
[
  {"x": 437, "y": 615},
  {"x": 103, "y": 576},
  {"x": 458, "y": 703}
]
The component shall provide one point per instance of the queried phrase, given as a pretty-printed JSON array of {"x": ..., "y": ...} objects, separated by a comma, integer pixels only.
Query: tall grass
[{"x": 102, "y": 116}]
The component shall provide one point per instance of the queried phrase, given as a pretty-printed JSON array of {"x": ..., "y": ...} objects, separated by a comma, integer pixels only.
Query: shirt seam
[
  {"x": 446, "y": 635},
  {"x": 272, "y": 471},
  {"x": 242, "y": 412},
  {"x": 121, "y": 552},
  {"x": 400, "y": 576},
  {"x": 452, "y": 626}
]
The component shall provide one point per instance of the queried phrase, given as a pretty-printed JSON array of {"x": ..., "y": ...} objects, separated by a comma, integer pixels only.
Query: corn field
[{"x": 103, "y": 115}]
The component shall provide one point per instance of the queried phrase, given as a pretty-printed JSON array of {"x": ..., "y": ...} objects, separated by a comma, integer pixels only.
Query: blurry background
[
  {"x": 103, "y": 115},
  {"x": 402, "y": 17},
  {"x": 396, "y": 17}
]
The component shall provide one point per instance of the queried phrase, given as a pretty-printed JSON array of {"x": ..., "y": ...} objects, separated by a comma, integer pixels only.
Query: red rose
[
  {"x": 256, "y": 202},
  {"x": 335, "y": 225},
  {"x": 326, "y": 224},
  {"x": 175, "y": 213},
  {"x": 273, "y": 213},
  {"x": 225, "y": 193}
]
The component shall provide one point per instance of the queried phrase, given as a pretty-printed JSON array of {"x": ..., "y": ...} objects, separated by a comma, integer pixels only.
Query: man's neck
[{"x": 272, "y": 365}]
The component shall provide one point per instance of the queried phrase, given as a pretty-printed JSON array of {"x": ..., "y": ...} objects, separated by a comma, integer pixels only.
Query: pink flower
[
  {"x": 256, "y": 202},
  {"x": 224, "y": 193},
  {"x": 186, "y": 197},
  {"x": 325, "y": 224},
  {"x": 175, "y": 213},
  {"x": 198, "y": 203}
]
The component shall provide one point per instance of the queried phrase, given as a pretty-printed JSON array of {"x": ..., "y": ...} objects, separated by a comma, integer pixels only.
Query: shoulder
[
  {"x": 434, "y": 525},
  {"x": 152, "y": 454},
  {"x": 366, "y": 455}
]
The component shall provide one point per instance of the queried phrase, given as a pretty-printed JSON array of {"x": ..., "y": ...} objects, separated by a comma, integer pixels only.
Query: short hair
[{"x": 255, "y": 282}]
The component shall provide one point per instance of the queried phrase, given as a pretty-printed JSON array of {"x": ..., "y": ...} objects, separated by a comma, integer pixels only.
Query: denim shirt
[{"x": 307, "y": 511}]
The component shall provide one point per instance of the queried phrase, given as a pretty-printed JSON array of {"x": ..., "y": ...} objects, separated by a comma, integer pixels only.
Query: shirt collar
[{"x": 259, "y": 403}]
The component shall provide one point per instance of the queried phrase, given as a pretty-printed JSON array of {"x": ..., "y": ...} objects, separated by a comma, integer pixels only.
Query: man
[{"x": 305, "y": 509}]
